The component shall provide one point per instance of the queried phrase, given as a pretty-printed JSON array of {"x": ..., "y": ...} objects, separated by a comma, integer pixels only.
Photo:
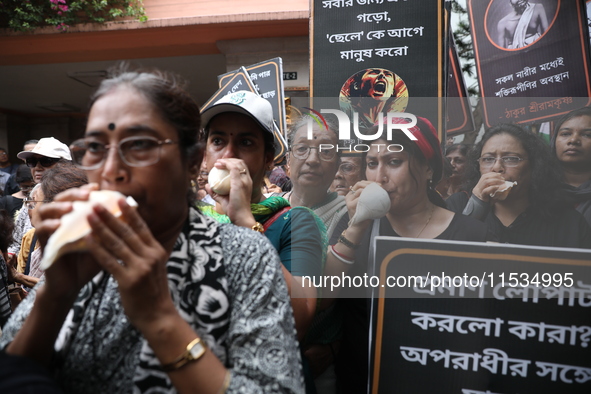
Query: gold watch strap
[{"x": 187, "y": 356}]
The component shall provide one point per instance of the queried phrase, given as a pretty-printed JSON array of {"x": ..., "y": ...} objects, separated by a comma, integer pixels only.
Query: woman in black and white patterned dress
[{"x": 165, "y": 300}]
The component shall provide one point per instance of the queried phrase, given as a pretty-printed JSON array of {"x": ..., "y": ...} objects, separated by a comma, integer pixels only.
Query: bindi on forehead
[{"x": 111, "y": 126}]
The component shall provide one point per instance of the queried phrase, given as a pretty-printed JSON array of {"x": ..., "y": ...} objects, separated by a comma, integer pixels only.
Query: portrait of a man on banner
[{"x": 516, "y": 24}]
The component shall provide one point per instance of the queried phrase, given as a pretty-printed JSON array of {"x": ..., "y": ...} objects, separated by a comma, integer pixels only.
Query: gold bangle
[
  {"x": 195, "y": 350},
  {"x": 258, "y": 227},
  {"x": 226, "y": 383}
]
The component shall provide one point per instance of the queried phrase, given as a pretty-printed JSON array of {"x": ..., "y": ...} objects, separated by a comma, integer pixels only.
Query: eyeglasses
[
  {"x": 348, "y": 168},
  {"x": 302, "y": 151},
  {"x": 44, "y": 161},
  {"x": 90, "y": 154},
  {"x": 506, "y": 161},
  {"x": 26, "y": 189},
  {"x": 31, "y": 204}
]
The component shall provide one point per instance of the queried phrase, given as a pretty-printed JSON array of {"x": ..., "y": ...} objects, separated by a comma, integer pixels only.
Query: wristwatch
[{"x": 195, "y": 350}]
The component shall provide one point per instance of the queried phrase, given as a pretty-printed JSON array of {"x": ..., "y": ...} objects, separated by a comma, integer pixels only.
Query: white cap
[
  {"x": 48, "y": 147},
  {"x": 242, "y": 102}
]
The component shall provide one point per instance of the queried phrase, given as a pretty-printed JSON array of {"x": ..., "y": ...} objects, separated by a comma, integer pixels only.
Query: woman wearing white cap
[{"x": 239, "y": 133}]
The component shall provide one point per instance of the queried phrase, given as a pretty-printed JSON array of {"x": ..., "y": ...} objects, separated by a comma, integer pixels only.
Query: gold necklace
[{"x": 428, "y": 220}]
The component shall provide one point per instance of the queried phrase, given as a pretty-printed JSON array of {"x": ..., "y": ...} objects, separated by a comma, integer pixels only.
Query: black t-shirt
[
  {"x": 352, "y": 365},
  {"x": 568, "y": 229},
  {"x": 461, "y": 228},
  {"x": 11, "y": 204}
]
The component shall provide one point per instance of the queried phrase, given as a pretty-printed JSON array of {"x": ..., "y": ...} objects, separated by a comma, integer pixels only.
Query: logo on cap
[{"x": 238, "y": 98}]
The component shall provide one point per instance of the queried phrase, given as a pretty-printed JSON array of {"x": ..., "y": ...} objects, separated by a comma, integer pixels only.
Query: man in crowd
[
  {"x": 11, "y": 186},
  {"x": 523, "y": 26},
  {"x": 5, "y": 165}
]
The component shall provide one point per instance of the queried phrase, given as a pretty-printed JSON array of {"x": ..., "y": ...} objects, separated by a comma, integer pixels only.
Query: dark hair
[
  {"x": 414, "y": 153},
  {"x": 60, "y": 178},
  {"x": 166, "y": 92},
  {"x": 463, "y": 149},
  {"x": 447, "y": 170},
  {"x": 268, "y": 139},
  {"x": 23, "y": 174},
  {"x": 576, "y": 113},
  {"x": 2, "y": 149},
  {"x": 6, "y": 229},
  {"x": 545, "y": 192}
]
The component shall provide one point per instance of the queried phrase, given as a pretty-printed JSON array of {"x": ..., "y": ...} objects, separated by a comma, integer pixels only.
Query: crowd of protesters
[{"x": 199, "y": 290}]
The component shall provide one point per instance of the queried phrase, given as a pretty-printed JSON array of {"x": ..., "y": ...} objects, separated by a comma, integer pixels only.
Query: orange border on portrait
[
  {"x": 527, "y": 46},
  {"x": 434, "y": 252}
]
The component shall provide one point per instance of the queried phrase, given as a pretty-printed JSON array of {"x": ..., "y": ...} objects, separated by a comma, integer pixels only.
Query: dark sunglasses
[{"x": 44, "y": 161}]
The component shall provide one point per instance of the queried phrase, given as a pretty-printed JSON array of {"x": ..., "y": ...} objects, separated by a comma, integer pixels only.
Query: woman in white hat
[{"x": 239, "y": 133}]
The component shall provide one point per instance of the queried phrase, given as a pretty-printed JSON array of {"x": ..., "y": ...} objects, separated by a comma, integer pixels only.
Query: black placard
[
  {"x": 498, "y": 337},
  {"x": 349, "y": 38},
  {"x": 545, "y": 78},
  {"x": 268, "y": 82}
]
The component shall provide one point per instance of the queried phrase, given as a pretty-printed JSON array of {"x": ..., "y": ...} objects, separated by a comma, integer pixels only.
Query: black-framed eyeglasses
[
  {"x": 31, "y": 204},
  {"x": 348, "y": 168},
  {"x": 90, "y": 154},
  {"x": 44, "y": 161},
  {"x": 302, "y": 151},
  {"x": 506, "y": 161}
]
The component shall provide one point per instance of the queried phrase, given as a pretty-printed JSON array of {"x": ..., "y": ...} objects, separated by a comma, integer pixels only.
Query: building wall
[
  {"x": 165, "y": 9},
  {"x": 245, "y": 32}
]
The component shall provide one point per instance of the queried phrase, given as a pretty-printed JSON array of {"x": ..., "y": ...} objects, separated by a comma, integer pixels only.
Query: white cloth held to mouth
[{"x": 506, "y": 188}]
